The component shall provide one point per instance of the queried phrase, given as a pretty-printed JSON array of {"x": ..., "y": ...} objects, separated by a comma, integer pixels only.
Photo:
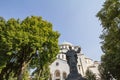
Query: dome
[{"x": 66, "y": 43}]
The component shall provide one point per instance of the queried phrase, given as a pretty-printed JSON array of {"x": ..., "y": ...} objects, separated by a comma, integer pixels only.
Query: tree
[
  {"x": 104, "y": 75},
  {"x": 42, "y": 74},
  {"x": 109, "y": 16},
  {"x": 2, "y": 59},
  {"x": 90, "y": 75},
  {"x": 31, "y": 41},
  {"x": 26, "y": 75}
]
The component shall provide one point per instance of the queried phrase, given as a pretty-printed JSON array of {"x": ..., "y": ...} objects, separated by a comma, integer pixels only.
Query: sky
[{"x": 75, "y": 20}]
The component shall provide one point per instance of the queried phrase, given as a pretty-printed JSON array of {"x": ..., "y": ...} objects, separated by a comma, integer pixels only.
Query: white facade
[{"x": 59, "y": 69}]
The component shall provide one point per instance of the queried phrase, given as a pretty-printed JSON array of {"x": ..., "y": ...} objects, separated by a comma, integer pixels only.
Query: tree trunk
[
  {"x": 22, "y": 68},
  {"x": 20, "y": 74}
]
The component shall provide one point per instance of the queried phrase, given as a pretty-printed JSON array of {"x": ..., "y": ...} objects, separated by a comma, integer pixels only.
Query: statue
[{"x": 71, "y": 56}]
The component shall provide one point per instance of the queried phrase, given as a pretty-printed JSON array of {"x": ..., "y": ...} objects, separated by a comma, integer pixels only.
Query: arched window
[
  {"x": 62, "y": 56},
  {"x": 57, "y": 73},
  {"x": 64, "y": 75},
  {"x": 58, "y": 56},
  {"x": 50, "y": 77}
]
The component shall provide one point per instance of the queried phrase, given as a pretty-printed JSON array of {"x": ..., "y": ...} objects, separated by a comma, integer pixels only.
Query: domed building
[{"x": 59, "y": 69}]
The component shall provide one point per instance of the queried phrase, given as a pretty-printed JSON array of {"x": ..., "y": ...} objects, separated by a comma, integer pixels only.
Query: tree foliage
[
  {"x": 90, "y": 75},
  {"x": 42, "y": 74},
  {"x": 109, "y": 16},
  {"x": 104, "y": 75},
  {"x": 31, "y": 41}
]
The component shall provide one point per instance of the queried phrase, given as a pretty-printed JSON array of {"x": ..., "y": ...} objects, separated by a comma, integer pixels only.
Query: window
[
  {"x": 64, "y": 75},
  {"x": 50, "y": 77},
  {"x": 79, "y": 67},
  {"x": 58, "y": 56},
  {"x": 57, "y": 64},
  {"x": 62, "y": 56},
  {"x": 57, "y": 73}
]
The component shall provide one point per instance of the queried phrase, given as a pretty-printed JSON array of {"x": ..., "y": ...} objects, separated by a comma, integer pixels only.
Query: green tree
[
  {"x": 31, "y": 41},
  {"x": 109, "y": 16},
  {"x": 104, "y": 75},
  {"x": 42, "y": 74},
  {"x": 2, "y": 59},
  {"x": 26, "y": 75},
  {"x": 90, "y": 75}
]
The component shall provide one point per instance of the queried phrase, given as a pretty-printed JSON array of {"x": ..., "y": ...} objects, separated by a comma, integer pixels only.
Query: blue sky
[{"x": 74, "y": 19}]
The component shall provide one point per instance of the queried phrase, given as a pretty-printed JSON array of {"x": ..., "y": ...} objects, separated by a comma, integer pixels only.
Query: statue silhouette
[{"x": 71, "y": 56}]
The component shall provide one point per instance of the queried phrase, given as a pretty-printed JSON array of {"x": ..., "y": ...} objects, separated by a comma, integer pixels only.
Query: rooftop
[{"x": 67, "y": 43}]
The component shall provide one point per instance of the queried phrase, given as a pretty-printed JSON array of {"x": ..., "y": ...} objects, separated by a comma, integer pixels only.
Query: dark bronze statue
[{"x": 71, "y": 56}]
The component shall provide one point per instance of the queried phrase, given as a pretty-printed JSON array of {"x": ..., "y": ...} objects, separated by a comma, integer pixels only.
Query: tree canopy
[
  {"x": 89, "y": 75},
  {"x": 31, "y": 41},
  {"x": 109, "y": 16}
]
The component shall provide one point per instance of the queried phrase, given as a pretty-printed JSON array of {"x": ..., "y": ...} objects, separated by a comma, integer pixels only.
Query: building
[{"x": 59, "y": 69}]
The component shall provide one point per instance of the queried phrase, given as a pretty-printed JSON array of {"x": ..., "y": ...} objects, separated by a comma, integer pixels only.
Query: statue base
[{"x": 74, "y": 76}]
